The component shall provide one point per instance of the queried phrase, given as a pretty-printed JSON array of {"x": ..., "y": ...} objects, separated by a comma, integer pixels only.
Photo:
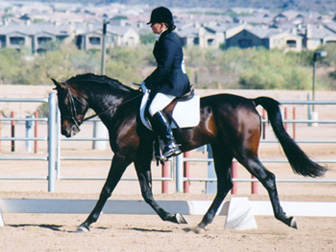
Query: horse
[{"x": 230, "y": 124}]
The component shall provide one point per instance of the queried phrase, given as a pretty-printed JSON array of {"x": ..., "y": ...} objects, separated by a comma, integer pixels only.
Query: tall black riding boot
[{"x": 161, "y": 126}]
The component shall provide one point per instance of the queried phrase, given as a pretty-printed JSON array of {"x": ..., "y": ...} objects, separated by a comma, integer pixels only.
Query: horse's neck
[{"x": 106, "y": 102}]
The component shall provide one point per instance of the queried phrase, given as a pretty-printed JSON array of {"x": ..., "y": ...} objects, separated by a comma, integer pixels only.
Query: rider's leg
[{"x": 161, "y": 125}]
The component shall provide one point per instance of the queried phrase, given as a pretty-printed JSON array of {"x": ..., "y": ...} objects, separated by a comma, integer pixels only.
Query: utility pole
[
  {"x": 103, "y": 53},
  {"x": 316, "y": 54},
  {"x": 99, "y": 130}
]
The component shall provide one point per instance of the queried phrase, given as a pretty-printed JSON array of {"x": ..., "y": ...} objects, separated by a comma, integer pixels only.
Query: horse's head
[{"x": 73, "y": 107}]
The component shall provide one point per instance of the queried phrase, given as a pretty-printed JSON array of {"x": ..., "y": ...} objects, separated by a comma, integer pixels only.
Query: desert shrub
[{"x": 255, "y": 68}]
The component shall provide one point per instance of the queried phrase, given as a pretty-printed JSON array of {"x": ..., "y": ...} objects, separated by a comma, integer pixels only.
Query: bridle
[{"x": 73, "y": 110}]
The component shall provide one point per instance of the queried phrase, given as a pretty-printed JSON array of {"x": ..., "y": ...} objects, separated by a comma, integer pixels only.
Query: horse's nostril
[{"x": 74, "y": 130}]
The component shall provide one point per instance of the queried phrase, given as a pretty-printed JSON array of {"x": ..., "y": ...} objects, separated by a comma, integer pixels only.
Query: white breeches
[{"x": 159, "y": 102}]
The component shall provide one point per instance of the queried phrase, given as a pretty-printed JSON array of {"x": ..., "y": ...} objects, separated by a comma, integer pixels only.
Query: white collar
[{"x": 157, "y": 36}]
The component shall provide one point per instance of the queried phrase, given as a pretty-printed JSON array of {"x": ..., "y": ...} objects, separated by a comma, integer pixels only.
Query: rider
[{"x": 168, "y": 80}]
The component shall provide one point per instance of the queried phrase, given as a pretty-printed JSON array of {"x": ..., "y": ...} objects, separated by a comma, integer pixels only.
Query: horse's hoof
[
  {"x": 293, "y": 222},
  {"x": 180, "y": 219},
  {"x": 199, "y": 230},
  {"x": 177, "y": 218},
  {"x": 82, "y": 229}
]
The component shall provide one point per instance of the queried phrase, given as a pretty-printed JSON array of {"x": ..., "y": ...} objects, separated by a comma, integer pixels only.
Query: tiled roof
[
  {"x": 319, "y": 31},
  {"x": 188, "y": 32},
  {"x": 97, "y": 28},
  {"x": 263, "y": 32},
  {"x": 220, "y": 27},
  {"x": 35, "y": 29}
]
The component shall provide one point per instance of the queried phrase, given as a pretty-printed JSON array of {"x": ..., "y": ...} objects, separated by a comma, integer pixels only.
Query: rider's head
[{"x": 162, "y": 15}]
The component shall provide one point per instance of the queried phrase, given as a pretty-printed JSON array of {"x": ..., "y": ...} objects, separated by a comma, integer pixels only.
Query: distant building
[
  {"x": 265, "y": 37},
  {"x": 116, "y": 36},
  {"x": 293, "y": 17},
  {"x": 257, "y": 19},
  {"x": 33, "y": 37},
  {"x": 21, "y": 27},
  {"x": 317, "y": 35},
  {"x": 188, "y": 34},
  {"x": 207, "y": 36}
]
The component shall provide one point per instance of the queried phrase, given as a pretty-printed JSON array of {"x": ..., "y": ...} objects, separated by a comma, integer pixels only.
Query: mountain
[{"x": 322, "y": 6}]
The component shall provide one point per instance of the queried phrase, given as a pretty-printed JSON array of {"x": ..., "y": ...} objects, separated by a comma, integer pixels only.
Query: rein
[
  {"x": 74, "y": 114},
  {"x": 73, "y": 110}
]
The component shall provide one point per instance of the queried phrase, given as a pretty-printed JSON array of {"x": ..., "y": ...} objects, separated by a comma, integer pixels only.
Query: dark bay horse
[{"x": 229, "y": 123}]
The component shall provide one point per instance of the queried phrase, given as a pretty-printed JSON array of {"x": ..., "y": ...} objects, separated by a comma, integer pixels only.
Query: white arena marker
[
  {"x": 2, "y": 223},
  {"x": 240, "y": 215}
]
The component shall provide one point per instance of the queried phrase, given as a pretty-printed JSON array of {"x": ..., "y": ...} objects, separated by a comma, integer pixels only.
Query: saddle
[{"x": 184, "y": 111}]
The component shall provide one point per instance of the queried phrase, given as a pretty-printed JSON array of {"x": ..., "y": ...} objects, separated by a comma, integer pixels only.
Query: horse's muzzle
[{"x": 70, "y": 131}]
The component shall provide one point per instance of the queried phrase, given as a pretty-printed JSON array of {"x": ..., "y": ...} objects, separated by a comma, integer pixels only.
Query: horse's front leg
[
  {"x": 145, "y": 180},
  {"x": 118, "y": 166}
]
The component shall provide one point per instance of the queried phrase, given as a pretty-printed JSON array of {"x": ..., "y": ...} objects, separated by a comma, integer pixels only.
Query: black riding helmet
[{"x": 162, "y": 15}]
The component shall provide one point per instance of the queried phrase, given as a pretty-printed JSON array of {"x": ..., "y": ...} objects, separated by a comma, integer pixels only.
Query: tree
[{"x": 147, "y": 38}]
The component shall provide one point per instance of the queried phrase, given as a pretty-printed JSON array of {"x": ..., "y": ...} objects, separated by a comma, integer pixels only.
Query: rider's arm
[{"x": 165, "y": 58}]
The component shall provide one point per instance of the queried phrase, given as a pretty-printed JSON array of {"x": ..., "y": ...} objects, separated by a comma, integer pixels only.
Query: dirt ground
[
  {"x": 41, "y": 232},
  {"x": 54, "y": 232}
]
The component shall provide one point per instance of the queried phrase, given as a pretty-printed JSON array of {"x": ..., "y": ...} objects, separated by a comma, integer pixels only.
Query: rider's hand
[{"x": 143, "y": 87}]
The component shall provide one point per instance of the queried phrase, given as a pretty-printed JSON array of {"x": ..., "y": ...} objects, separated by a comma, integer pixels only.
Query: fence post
[
  {"x": 58, "y": 144},
  {"x": 309, "y": 109},
  {"x": 294, "y": 124},
  {"x": 165, "y": 174},
  {"x": 186, "y": 173},
  {"x": 254, "y": 186},
  {"x": 0, "y": 132},
  {"x": 99, "y": 131},
  {"x": 211, "y": 185},
  {"x": 51, "y": 142},
  {"x": 29, "y": 133},
  {"x": 12, "y": 132},
  {"x": 36, "y": 133},
  {"x": 234, "y": 172},
  {"x": 285, "y": 117},
  {"x": 179, "y": 173}
]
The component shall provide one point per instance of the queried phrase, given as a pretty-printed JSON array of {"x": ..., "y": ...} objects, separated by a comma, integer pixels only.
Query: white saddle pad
[{"x": 186, "y": 113}]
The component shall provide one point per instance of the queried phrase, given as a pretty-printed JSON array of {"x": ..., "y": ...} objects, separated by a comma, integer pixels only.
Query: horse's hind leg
[
  {"x": 145, "y": 179},
  {"x": 119, "y": 164},
  {"x": 222, "y": 161},
  {"x": 267, "y": 178}
]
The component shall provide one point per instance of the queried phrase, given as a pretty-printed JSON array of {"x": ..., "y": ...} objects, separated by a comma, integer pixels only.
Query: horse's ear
[{"x": 58, "y": 84}]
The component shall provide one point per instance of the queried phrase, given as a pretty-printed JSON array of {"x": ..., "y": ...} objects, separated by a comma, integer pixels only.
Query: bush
[
  {"x": 10, "y": 62},
  {"x": 207, "y": 68},
  {"x": 43, "y": 110},
  {"x": 274, "y": 70},
  {"x": 124, "y": 73},
  {"x": 86, "y": 62},
  {"x": 147, "y": 38}
]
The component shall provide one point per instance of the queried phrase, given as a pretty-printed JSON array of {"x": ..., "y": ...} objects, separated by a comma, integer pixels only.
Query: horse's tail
[{"x": 299, "y": 161}]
